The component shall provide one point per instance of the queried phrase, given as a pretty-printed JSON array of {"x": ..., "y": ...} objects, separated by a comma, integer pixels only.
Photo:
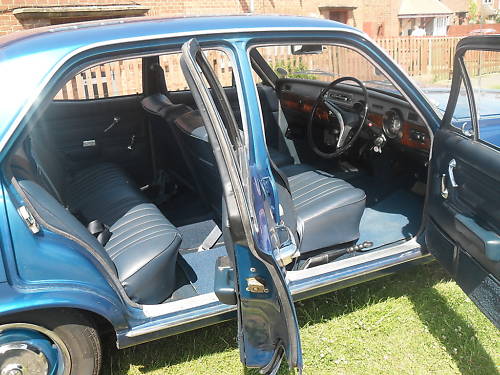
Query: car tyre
[{"x": 73, "y": 333}]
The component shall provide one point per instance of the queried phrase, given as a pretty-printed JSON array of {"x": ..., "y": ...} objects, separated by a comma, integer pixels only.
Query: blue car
[{"x": 162, "y": 175}]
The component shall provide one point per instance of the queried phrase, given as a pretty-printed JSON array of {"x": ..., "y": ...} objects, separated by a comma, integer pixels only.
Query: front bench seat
[
  {"x": 328, "y": 209},
  {"x": 141, "y": 252}
]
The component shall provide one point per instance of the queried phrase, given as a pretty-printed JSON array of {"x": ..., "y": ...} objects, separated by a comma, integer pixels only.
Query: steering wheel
[{"x": 346, "y": 123}]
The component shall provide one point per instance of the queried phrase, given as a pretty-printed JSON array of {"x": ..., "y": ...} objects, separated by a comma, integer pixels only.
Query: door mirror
[
  {"x": 307, "y": 49},
  {"x": 282, "y": 72}
]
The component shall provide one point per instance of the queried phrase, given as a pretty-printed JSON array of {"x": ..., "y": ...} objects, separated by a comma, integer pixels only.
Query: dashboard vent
[{"x": 344, "y": 98}]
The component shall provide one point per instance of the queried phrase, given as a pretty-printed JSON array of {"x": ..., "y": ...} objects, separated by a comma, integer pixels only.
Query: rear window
[{"x": 117, "y": 78}]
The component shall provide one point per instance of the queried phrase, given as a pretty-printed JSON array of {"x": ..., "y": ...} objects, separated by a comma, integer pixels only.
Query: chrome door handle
[
  {"x": 451, "y": 165},
  {"x": 444, "y": 189}
]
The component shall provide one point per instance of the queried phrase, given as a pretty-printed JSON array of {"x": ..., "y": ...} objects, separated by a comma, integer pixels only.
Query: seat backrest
[
  {"x": 194, "y": 138},
  {"x": 59, "y": 218},
  {"x": 162, "y": 113}
]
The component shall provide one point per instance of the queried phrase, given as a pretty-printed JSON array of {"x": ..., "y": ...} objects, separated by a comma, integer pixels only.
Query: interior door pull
[
  {"x": 115, "y": 122},
  {"x": 451, "y": 165}
]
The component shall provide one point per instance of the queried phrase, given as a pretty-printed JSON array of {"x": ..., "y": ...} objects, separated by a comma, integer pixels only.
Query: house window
[
  {"x": 339, "y": 16},
  {"x": 31, "y": 17}
]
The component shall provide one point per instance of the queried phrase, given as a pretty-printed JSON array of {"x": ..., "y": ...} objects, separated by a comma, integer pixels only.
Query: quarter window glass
[
  {"x": 483, "y": 68},
  {"x": 461, "y": 115},
  {"x": 117, "y": 78},
  {"x": 218, "y": 60}
]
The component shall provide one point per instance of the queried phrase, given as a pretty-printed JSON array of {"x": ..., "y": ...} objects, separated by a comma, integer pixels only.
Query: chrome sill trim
[
  {"x": 329, "y": 274},
  {"x": 358, "y": 260},
  {"x": 206, "y": 306},
  {"x": 193, "y": 309}
]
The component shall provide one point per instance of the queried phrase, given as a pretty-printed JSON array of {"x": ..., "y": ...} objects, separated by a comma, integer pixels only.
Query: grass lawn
[{"x": 418, "y": 322}]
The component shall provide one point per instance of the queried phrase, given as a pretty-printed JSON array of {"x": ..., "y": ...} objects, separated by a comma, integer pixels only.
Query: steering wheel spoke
[{"x": 345, "y": 130}]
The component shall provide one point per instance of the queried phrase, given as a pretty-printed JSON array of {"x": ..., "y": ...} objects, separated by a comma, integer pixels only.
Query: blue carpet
[
  {"x": 395, "y": 218},
  {"x": 200, "y": 268},
  {"x": 194, "y": 234}
]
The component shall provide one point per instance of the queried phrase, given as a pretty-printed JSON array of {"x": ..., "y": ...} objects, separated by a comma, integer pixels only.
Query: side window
[
  {"x": 117, "y": 78},
  {"x": 217, "y": 59},
  {"x": 483, "y": 69}
]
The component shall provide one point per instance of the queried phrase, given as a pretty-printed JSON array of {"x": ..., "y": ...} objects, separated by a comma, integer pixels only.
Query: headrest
[{"x": 159, "y": 86}]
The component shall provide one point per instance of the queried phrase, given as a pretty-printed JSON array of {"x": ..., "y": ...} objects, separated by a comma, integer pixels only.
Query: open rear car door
[
  {"x": 463, "y": 210},
  {"x": 257, "y": 248}
]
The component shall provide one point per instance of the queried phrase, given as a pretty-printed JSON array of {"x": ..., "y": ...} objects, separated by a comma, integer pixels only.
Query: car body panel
[
  {"x": 463, "y": 210},
  {"x": 267, "y": 321},
  {"x": 61, "y": 49},
  {"x": 69, "y": 278}
]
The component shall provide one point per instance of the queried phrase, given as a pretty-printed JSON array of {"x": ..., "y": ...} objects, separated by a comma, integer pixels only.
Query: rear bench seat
[{"x": 143, "y": 246}]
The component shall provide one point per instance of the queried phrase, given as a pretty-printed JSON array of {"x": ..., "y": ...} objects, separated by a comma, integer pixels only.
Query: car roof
[
  {"x": 29, "y": 59},
  {"x": 123, "y": 28}
]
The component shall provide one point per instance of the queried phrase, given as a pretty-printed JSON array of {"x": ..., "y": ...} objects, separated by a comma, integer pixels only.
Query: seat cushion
[
  {"x": 328, "y": 209},
  {"x": 143, "y": 246},
  {"x": 101, "y": 192}
]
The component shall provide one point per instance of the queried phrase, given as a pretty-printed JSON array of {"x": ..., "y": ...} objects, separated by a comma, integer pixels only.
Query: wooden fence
[{"x": 428, "y": 58}]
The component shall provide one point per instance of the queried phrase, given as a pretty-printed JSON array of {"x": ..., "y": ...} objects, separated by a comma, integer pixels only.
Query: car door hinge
[
  {"x": 29, "y": 220},
  {"x": 254, "y": 285},
  {"x": 266, "y": 186}
]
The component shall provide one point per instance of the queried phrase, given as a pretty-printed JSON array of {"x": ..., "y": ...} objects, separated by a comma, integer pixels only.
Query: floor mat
[
  {"x": 199, "y": 268},
  {"x": 194, "y": 234},
  {"x": 184, "y": 208},
  {"x": 395, "y": 218}
]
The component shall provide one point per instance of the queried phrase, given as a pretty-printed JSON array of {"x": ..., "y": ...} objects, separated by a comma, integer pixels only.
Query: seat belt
[
  {"x": 100, "y": 231},
  {"x": 283, "y": 127},
  {"x": 211, "y": 239},
  {"x": 41, "y": 170}
]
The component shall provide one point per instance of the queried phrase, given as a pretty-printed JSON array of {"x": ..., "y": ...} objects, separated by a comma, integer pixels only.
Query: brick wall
[{"x": 377, "y": 17}]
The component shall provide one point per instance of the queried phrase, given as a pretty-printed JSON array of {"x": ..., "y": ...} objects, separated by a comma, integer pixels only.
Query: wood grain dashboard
[
  {"x": 412, "y": 135},
  {"x": 408, "y": 133}
]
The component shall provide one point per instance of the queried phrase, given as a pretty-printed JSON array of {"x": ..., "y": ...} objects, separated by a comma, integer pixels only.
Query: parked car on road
[{"x": 157, "y": 176}]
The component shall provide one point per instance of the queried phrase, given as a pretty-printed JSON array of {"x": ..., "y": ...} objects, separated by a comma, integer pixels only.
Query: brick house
[{"x": 377, "y": 17}]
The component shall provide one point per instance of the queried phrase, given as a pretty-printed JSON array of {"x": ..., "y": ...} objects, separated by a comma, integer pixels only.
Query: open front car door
[
  {"x": 463, "y": 210},
  {"x": 258, "y": 249}
]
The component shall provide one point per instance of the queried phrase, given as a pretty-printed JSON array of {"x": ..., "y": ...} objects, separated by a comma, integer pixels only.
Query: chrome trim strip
[
  {"x": 316, "y": 280},
  {"x": 30, "y": 102},
  {"x": 207, "y": 306},
  {"x": 194, "y": 312}
]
